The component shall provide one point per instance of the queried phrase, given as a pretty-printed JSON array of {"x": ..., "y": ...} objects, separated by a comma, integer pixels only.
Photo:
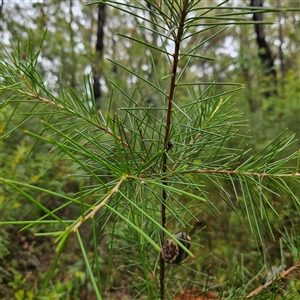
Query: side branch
[
  {"x": 96, "y": 208},
  {"x": 237, "y": 172},
  {"x": 281, "y": 276},
  {"x": 47, "y": 101}
]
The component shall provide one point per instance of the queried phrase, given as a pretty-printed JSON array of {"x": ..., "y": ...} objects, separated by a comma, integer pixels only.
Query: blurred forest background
[{"x": 78, "y": 42}]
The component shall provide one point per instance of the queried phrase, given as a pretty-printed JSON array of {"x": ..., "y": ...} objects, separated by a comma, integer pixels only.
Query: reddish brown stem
[{"x": 177, "y": 40}]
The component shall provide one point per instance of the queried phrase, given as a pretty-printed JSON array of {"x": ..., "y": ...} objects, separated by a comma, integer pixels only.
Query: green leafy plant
[{"x": 151, "y": 169}]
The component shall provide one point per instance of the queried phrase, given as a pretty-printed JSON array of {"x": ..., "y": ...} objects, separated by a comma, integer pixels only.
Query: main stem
[{"x": 177, "y": 41}]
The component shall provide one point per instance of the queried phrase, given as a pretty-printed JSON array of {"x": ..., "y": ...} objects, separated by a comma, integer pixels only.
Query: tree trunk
[
  {"x": 1, "y": 7},
  {"x": 281, "y": 56},
  {"x": 99, "y": 52},
  {"x": 72, "y": 42},
  {"x": 265, "y": 53}
]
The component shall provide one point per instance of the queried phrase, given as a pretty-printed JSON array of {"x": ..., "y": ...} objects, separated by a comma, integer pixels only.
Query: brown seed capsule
[{"x": 171, "y": 252}]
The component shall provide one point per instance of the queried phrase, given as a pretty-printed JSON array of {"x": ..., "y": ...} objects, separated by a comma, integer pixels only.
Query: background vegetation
[{"x": 83, "y": 123}]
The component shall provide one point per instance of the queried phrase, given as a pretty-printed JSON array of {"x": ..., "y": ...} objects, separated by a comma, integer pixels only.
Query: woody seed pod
[{"x": 172, "y": 253}]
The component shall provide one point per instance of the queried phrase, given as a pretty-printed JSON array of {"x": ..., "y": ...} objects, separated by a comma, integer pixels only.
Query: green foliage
[
  {"x": 121, "y": 181},
  {"x": 58, "y": 290}
]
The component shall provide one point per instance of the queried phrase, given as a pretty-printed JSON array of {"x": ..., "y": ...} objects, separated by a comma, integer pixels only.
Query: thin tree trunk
[
  {"x": 99, "y": 51},
  {"x": 281, "y": 57},
  {"x": 265, "y": 52},
  {"x": 1, "y": 7},
  {"x": 73, "y": 80}
]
